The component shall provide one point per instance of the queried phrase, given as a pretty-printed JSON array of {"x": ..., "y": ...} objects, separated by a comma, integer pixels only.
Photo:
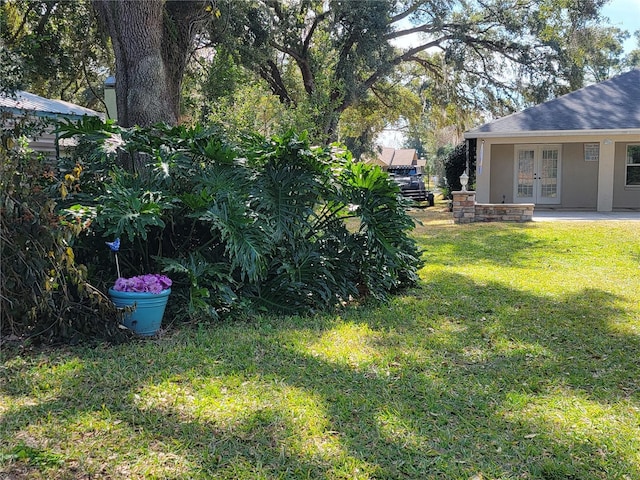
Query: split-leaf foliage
[{"x": 258, "y": 225}]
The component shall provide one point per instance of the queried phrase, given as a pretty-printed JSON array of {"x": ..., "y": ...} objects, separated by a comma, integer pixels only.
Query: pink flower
[{"x": 151, "y": 283}]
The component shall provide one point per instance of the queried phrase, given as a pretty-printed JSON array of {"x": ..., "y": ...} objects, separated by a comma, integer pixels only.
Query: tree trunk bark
[
  {"x": 142, "y": 89},
  {"x": 151, "y": 40}
]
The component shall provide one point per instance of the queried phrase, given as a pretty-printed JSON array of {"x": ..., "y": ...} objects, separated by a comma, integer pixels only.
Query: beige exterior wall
[
  {"x": 502, "y": 172},
  {"x": 585, "y": 185},
  {"x": 623, "y": 196},
  {"x": 579, "y": 187}
]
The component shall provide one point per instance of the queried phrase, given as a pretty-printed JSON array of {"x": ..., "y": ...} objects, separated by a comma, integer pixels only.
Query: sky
[{"x": 624, "y": 14}]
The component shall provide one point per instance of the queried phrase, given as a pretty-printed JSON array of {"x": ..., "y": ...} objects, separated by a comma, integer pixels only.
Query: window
[
  {"x": 633, "y": 165},
  {"x": 591, "y": 152}
]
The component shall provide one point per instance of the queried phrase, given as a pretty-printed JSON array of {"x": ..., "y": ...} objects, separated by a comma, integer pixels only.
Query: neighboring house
[
  {"x": 395, "y": 157},
  {"x": 578, "y": 151},
  {"x": 24, "y": 104}
]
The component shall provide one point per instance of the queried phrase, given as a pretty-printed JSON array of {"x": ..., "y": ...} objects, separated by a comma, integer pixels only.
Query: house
[
  {"x": 578, "y": 151},
  {"x": 27, "y": 105},
  {"x": 396, "y": 157}
]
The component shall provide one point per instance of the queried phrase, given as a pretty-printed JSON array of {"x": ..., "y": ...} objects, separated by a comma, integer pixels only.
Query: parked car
[{"x": 411, "y": 182}]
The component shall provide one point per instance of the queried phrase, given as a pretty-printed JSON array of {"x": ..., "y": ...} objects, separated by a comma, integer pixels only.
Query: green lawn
[{"x": 517, "y": 358}]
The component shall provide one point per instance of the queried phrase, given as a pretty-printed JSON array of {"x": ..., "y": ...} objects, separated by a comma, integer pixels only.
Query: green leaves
[
  {"x": 45, "y": 289},
  {"x": 129, "y": 213},
  {"x": 271, "y": 227},
  {"x": 387, "y": 258},
  {"x": 209, "y": 285},
  {"x": 246, "y": 242}
]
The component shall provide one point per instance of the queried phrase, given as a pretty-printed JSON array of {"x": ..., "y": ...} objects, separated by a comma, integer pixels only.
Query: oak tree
[
  {"x": 496, "y": 55},
  {"x": 152, "y": 42}
]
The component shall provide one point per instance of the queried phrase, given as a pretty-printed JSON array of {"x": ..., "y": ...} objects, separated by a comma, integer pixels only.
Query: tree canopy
[
  {"x": 53, "y": 48},
  {"x": 341, "y": 69},
  {"x": 492, "y": 55}
]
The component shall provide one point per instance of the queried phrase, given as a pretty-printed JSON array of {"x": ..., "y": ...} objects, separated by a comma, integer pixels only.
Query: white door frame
[{"x": 537, "y": 173}]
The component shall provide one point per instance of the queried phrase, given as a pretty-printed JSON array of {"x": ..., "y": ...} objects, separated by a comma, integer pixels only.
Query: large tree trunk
[{"x": 152, "y": 40}]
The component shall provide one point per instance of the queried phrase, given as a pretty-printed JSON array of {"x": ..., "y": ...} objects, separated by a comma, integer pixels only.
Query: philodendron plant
[{"x": 269, "y": 224}]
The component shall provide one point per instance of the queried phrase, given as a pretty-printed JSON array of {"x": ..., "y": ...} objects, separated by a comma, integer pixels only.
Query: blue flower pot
[{"x": 146, "y": 318}]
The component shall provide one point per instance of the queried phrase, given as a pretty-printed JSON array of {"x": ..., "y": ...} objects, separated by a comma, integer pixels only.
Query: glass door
[
  {"x": 537, "y": 174},
  {"x": 525, "y": 175}
]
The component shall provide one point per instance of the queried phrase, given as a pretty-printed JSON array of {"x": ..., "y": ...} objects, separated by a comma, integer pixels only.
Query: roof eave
[
  {"x": 20, "y": 112},
  {"x": 553, "y": 133}
]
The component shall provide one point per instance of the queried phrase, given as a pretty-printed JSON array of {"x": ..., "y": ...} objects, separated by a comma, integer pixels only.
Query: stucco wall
[
  {"x": 579, "y": 188},
  {"x": 623, "y": 197},
  {"x": 502, "y": 165},
  {"x": 600, "y": 179},
  {"x": 579, "y": 178}
]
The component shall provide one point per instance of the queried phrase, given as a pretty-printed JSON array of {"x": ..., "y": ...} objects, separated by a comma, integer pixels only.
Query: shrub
[
  {"x": 264, "y": 224},
  {"x": 455, "y": 163},
  {"x": 43, "y": 290},
  {"x": 270, "y": 224}
]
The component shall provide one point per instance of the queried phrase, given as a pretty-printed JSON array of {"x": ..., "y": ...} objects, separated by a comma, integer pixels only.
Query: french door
[{"x": 537, "y": 174}]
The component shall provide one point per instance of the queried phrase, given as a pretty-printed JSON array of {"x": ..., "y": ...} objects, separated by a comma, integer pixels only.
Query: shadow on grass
[
  {"x": 499, "y": 383},
  {"x": 501, "y": 244}
]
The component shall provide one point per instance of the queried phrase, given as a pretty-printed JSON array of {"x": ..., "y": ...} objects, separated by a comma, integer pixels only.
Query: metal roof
[
  {"x": 606, "y": 106},
  {"x": 22, "y": 102}
]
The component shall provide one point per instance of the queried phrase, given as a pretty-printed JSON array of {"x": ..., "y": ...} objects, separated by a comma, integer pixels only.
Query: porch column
[
  {"x": 605, "y": 175},
  {"x": 464, "y": 207},
  {"x": 483, "y": 173}
]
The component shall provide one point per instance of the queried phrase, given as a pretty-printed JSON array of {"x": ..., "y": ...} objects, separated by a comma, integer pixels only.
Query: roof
[
  {"x": 404, "y": 156},
  {"x": 610, "y": 105},
  {"x": 22, "y": 102},
  {"x": 388, "y": 157}
]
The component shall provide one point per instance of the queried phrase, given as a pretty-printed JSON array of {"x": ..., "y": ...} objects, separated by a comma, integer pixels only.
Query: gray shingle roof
[
  {"x": 610, "y": 105},
  {"x": 29, "y": 102}
]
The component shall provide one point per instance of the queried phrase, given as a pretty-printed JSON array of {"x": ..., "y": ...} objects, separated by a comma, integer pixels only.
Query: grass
[{"x": 516, "y": 358}]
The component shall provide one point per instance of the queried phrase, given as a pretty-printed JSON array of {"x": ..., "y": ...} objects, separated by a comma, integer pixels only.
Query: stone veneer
[{"x": 466, "y": 210}]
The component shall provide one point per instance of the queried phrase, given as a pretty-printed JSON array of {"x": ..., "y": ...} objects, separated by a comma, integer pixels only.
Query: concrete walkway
[{"x": 562, "y": 215}]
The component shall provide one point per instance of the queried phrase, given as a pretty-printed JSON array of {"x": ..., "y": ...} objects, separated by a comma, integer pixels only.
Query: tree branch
[
  {"x": 381, "y": 98},
  {"x": 401, "y": 16},
  {"x": 425, "y": 63},
  {"x": 314, "y": 25},
  {"x": 303, "y": 64},
  {"x": 275, "y": 5},
  {"x": 409, "y": 54},
  {"x": 426, "y": 28},
  {"x": 39, "y": 30},
  {"x": 272, "y": 76},
  {"x": 14, "y": 37}
]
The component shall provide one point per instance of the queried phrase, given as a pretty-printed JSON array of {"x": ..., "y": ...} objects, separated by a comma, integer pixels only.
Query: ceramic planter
[{"x": 146, "y": 318}]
